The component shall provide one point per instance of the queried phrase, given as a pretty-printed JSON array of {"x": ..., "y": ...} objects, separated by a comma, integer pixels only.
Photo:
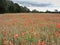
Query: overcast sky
[{"x": 40, "y": 4}]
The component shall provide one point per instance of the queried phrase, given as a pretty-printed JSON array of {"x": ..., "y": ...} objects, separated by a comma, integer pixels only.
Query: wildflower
[
  {"x": 23, "y": 33},
  {"x": 5, "y": 42},
  {"x": 16, "y": 35},
  {"x": 25, "y": 16},
  {"x": 32, "y": 43},
  {"x": 34, "y": 33},
  {"x": 56, "y": 34},
  {"x": 58, "y": 25},
  {"x": 58, "y": 31},
  {"x": 38, "y": 43},
  {"x": 4, "y": 32},
  {"x": 42, "y": 43}
]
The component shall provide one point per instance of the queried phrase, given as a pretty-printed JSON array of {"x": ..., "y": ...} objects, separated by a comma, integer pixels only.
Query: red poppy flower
[
  {"x": 32, "y": 43},
  {"x": 16, "y": 35},
  {"x": 23, "y": 33},
  {"x": 42, "y": 43},
  {"x": 58, "y": 25},
  {"x": 56, "y": 34},
  {"x": 38, "y": 43}
]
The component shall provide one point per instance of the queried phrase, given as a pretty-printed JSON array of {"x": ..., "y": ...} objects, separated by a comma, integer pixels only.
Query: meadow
[{"x": 30, "y": 29}]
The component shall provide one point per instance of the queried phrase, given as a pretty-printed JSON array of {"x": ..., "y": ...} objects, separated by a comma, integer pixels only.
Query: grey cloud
[{"x": 34, "y": 4}]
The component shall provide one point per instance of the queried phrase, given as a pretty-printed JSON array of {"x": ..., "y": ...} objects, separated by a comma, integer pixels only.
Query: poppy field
[{"x": 30, "y": 29}]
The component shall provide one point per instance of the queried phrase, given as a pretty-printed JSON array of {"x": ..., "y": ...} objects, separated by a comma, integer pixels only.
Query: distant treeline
[{"x": 8, "y": 6}]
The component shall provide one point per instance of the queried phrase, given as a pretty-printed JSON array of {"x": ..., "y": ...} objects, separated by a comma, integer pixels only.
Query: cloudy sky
[{"x": 41, "y": 5}]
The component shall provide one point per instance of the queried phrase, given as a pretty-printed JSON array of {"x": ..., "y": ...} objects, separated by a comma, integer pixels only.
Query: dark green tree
[
  {"x": 11, "y": 7},
  {"x": 47, "y": 11},
  {"x": 8, "y": 6},
  {"x": 56, "y": 11},
  {"x": 25, "y": 9},
  {"x": 35, "y": 11},
  {"x": 17, "y": 8},
  {"x": 3, "y": 6}
]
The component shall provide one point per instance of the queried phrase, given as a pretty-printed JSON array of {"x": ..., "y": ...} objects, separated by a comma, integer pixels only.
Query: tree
[
  {"x": 56, "y": 11},
  {"x": 35, "y": 11},
  {"x": 11, "y": 7},
  {"x": 17, "y": 8},
  {"x": 24, "y": 9},
  {"x": 47, "y": 11},
  {"x": 3, "y": 5}
]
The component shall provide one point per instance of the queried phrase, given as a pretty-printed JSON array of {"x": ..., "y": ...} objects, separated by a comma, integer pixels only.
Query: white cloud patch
[
  {"x": 40, "y": 4},
  {"x": 34, "y": 4}
]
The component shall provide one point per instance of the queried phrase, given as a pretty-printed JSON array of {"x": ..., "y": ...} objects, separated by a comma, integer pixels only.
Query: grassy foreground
[{"x": 29, "y": 29}]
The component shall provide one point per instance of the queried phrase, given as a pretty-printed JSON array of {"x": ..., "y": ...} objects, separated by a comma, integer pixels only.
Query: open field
[{"x": 30, "y": 29}]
